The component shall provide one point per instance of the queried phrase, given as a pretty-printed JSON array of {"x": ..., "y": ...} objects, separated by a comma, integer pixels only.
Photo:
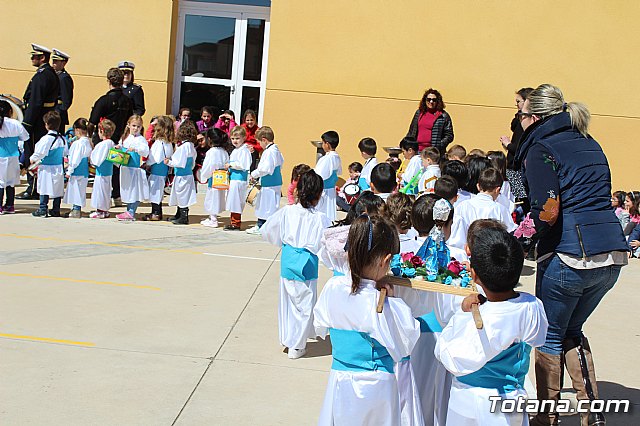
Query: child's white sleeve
[
  {"x": 75, "y": 156},
  {"x": 395, "y": 328},
  {"x": 271, "y": 230},
  {"x": 323, "y": 168},
  {"x": 208, "y": 164},
  {"x": 99, "y": 153},
  {"x": 458, "y": 237},
  {"x": 179, "y": 158},
  {"x": 507, "y": 219},
  {"x": 266, "y": 166},
  {"x": 242, "y": 160},
  {"x": 41, "y": 149}
]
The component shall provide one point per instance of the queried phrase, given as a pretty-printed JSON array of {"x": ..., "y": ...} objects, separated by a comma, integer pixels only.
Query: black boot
[
  {"x": 183, "y": 219},
  {"x": 175, "y": 216}
]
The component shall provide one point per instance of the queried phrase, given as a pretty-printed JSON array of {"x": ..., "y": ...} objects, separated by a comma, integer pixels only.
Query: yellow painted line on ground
[
  {"x": 74, "y": 280},
  {"x": 46, "y": 339}
]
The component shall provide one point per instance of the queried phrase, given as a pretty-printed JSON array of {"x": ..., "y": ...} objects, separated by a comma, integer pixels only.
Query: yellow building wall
[
  {"x": 97, "y": 35},
  {"x": 360, "y": 67}
]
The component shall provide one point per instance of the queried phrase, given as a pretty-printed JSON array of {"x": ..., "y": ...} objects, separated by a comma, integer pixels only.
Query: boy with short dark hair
[
  {"x": 411, "y": 174},
  {"x": 329, "y": 167},
  {"x": 482, "y": 206},
  {"x": 368, "y": 149},
  {"x": 446, "y": 187},
  {"x": 383, "y": 180},
  {"x": 490, "y": 365},
  {"x": 49, "y": 152},
  {"x": 431, "y": 165},
  {"x": 458, "y": 170}
]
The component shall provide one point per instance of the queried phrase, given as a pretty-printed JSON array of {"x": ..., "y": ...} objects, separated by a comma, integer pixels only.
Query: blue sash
[
  {"x": 338, "y": 274},
  {"x": 105, "y": 169},
  {"x": 82, "y": 169},
  {"x": 160, "y": 169},
  {"x": 134, "y": 159},
  {"x": 210, "y": 182},
  {"x": 505, "y": 372},
  {"x": 429, "y": 323},
  {"x": 362, "y": 183},
  {"x": 298, "y": 264},
  {"x": 186, "y": 170},
  {"x": 330, "y": 183},
  {"x": 9, "y": 147},
  {"x": 274, "y": 179},
  {"x": 55, "y": 157},
  {"x": 357, "y": 351},
  {"x": 235, "y": 174}
]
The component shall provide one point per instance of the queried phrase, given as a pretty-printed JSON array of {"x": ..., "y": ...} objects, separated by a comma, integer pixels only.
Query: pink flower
[
  {"x": 417, "y": 261},
  {"x": 406, "y": 257},
  {"x": 526, "y": 228},
  {"x": 455, "y": 267}
]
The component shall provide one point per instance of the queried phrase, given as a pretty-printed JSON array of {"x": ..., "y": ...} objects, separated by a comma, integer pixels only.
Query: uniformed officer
[
  {"x": 40, "y": 97},
  {"x": 132, "y": 90},
  {"x": 59, "y": 61}
]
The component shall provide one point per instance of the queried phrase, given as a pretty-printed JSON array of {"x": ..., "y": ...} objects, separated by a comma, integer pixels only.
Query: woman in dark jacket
[
  {"x": 581, "y": 248},
  {"x": 431, "y": 124}
]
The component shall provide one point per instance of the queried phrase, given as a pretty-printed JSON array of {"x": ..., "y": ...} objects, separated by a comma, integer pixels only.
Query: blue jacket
[
  {"x": 569, "y": 187},
  {"x": 635, "y": 235}
]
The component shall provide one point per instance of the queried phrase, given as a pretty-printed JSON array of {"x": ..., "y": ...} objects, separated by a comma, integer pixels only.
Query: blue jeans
[
  {"x": 569, "y": 296},
  {"x": 132, "y": 207},
  {"x": 44, "y": 202}
]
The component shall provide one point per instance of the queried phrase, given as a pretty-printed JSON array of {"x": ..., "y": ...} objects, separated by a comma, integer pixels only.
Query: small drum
[
  {"x": 16, "y": 105},
  {"x": 33, "y": 168},
  {"x": 220, "y": 179},
  {"x": 117, "y": 156},
  {"x": 351, "y": 192},
  {"x": 252, "y": 194}
]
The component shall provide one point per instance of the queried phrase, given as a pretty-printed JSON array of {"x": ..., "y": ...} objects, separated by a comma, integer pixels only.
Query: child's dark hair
[
  {"x": 498, "y": 162},
  {"x": 331, "y": 137},
  {"x": 207, "y": 109},
  {"x": 383, "y": 178},
  {"x": 356, "y": 167},
  {"x": 475, "y": 166},
  {"x": 490, "y": 179},
  {"x": 368, "y": 146},
  {"x": 432, "y": 153},
  {"x": 480, "y": 224},
  {"x": 634, "y": 196},
  {"x": 217, "y": 138},
  {"x": 249, "y": 112},
  {"x": 398, "y": 210},
  {"x": 457, "y": 170},
  {"x": 446, "y": 187},
  {"x": 309, "y": 187},
  {"x": 187, "y": 132},
  {"x": 229, "y": 112},
  {"x": 497, "y": 259},
  {"x": 408, "y": 143},
  {"x": 370, "y": 239},
  {"x": 108, "y": 127},
  {"x": 298, "y": 170},
  {"x": 84, "y": 125},
  {"x": 5, "y": 111},
  {"x": 619, "y": 195},
  {"x": 422, "y": 214},
  {"x": 52, "y": 120},
  {"x": 368, "y": 203}
]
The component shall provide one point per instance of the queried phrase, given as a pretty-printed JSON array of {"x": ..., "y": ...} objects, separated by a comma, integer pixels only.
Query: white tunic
[
  {"x": 326, "y": 166},
  {"x": 463, "y": 350},
  {"x": 413, "y": 168},
  {"x": 240, "y": 159},
  {"x": 101, "y": 193},
  {"x": 506, "y": 197},
  {"x": 9, "y": 156},
  {"x": 428, "y": 179},
  {"x": 268, "y": 200},
  {"x": 364, "y": 397},
  {"x": 133, "y": 180},
  {"x": 300, "y": 228},
  {"x": 366, "y": 169},
  {"x": 159, "y": 151},
  {"x": 214, "y": 201},
  {"x": 50, "y": 178},
  {"x": 183, "y": 190},
  {"x": 76, "y": 193},
  {"x": 482, "y": 206},
  {"x": 332, "y": 253},
  {"x": 462, "y": 196}
]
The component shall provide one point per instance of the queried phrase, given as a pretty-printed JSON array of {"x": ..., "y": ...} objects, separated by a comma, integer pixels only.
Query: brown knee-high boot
[
  {"x": 549, "y": 371},
  {"x": 580, "y": 366}
]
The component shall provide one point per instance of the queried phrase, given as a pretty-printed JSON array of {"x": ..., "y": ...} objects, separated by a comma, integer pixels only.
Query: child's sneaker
[
  {"x": 96, "y": 215},
  {"x": 7, "y": 210},
  {"x": 75, "y": 214},
  {"x": 126, "y": 216},
  {"x": 39, "y": 213},
  {"x": 210, "y": 223},
  {"x": 296, "y": 353},
  {"x": 254, "y": 230}
]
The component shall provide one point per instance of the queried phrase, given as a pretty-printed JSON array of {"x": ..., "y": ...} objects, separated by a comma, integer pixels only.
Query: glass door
[{"x": 221, "y": 57}]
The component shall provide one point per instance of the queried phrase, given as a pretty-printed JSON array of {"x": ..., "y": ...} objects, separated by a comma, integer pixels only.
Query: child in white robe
[
  {"x": 78, "y": 167},
  {"x": 134, "y": 187},
  {"x": 362, "y": 386},
  {"x": 270, "y": 174},
  {"x": 50, "y": 151},
  {"x": 216, "y": 158},
  {"x": 368, "y": 149},
  {"x": 430, "y": 163},
  {"x": 101, "y": 193},
  {"x": 162, "y": 148},
  {"x": 506, "y": 197},
  {"x": 413, "y": 171},
  {"x": 238, "y": 166},
  {"x": 329, "y": 167},
  {"x": 492, "y": 363},
  {"x": 183, "y": 190},
  {"x": 12, "y": 133},
  {"x": 298, "y": 229},
  {"x": 482, "y": 206}
]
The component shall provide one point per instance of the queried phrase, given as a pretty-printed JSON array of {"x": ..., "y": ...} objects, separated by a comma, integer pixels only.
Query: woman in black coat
[{"x": 431, "y": 124}]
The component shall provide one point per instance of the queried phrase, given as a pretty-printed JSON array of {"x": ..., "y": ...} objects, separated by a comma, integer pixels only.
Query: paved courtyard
[{"x": 147, "y": 323}]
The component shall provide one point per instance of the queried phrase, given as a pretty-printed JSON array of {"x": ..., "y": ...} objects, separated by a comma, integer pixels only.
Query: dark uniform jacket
[
  {"x": 136, "y": 94},
  {"x": 66, "y": 97},
  {"x": 115, "y": 106}
]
